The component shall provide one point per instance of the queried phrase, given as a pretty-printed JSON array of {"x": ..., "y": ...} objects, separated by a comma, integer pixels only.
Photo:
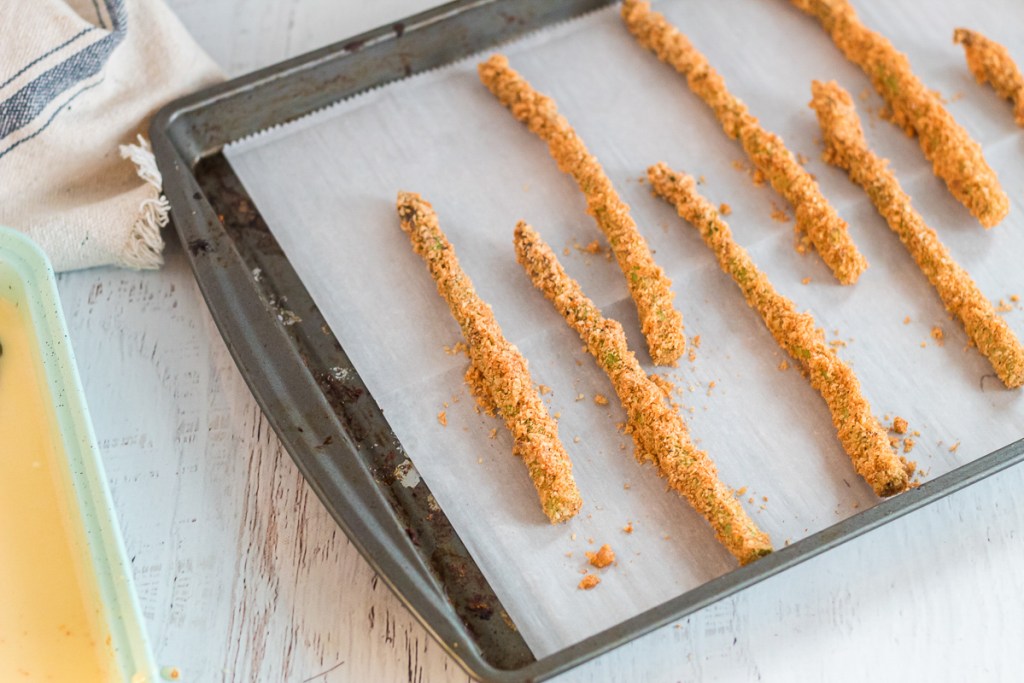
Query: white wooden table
[{"x": 244, "y": 577}]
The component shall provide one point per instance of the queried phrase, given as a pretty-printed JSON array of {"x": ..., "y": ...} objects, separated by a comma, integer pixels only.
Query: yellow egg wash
[{"x": 47, "y": 611}]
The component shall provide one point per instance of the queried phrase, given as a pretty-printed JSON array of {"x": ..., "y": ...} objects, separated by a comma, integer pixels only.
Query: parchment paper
[{"x": 327, "y": 186}]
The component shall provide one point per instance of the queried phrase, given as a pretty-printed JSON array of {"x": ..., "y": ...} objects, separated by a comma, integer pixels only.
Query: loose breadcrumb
[
  {"x": 938, "y": 335},
  {"x": 779, "y": 215},
  {"x": 908, "y": 444},
  {"x": 442, "y": 417},
  {"x": 862, "y": 436},
  {"x": 955, "y": 447},
  {"x": 1003, "y": 307},
  {"x": 660, "y": 322},
  {"x": 600, "y": 399},
  {"x": 628, "y": 528},
  {"x": 846, "y": 147},
  {"x": 906, "y": 321},
  {"x": 815, "y": 216},
  {"x": 456, "y": 348},
  {"x": 724, "y": 209},
  {"x": 658, "y": 431},
  {"x": 955, "y": 156},
  {"x": 990, "y": 62},
  {"x": 602, "y": 558},
  {"x": 589, "y": 581},
  {"x": 806, "y": 281},
  {"x": 784, "y": 365},
  {"x": 544, "y": 389},
  {"x": 498, "y": 372},
  {"x": 899, "y": 425}
]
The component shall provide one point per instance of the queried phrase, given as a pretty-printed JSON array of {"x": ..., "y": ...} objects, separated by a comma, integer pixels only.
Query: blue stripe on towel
[
  {"x": 24, "y": 106},
  {"x": 47, "y": 54},
  {"x": 46, "y": 125},
  {"x": 99, "y": 15}
]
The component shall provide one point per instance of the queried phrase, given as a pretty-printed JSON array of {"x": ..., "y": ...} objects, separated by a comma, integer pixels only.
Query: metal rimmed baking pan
[{"x": 313, "y": 396}]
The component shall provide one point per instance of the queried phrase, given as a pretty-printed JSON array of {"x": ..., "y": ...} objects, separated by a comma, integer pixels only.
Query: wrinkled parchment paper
[{"x": 327, "y": 184}]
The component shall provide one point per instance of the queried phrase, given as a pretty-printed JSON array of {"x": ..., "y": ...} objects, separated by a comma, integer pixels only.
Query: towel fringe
[{"x": 145, "y": 246}]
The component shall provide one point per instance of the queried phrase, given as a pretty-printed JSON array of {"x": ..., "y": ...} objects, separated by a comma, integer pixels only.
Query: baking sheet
[{"x": 326, "y": 186}]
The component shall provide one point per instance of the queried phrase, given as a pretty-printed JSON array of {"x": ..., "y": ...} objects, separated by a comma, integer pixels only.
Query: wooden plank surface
[{"x": 244, "y": 577}]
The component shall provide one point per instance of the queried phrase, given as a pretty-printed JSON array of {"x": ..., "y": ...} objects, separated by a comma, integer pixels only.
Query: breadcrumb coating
[
  {"x": 815, "y": 216},
  {"x": 990, "y": 62},
  {"x": 955, "y": 156},
  {"x": 861, "y": 434},
  {"x": 498, "y": 372},
  {"x": 846, "y": 148},
  {"x": 651, "y": 289},
  {"x": 659, "y": 433}
]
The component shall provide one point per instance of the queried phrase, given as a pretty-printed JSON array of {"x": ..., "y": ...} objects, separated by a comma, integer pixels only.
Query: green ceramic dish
[{"x": 80, "y": 485}]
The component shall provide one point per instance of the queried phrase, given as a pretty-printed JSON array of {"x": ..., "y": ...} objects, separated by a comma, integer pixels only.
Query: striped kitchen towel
[{"x": 79, "y": 80}]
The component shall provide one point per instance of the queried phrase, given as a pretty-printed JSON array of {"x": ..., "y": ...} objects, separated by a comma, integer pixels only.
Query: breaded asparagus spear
[
  {"x": 955, "y": 157},
  {"x": 815, "y": 216},
  {"x": 498, "y": 370},
  {"x": 990, "y": 62},
  {"x": 846, "y": 147},
  {"x": 863, "y": 438},
  {"x": 658, "y": 431},
  {"x": 660, "y": 322}
]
